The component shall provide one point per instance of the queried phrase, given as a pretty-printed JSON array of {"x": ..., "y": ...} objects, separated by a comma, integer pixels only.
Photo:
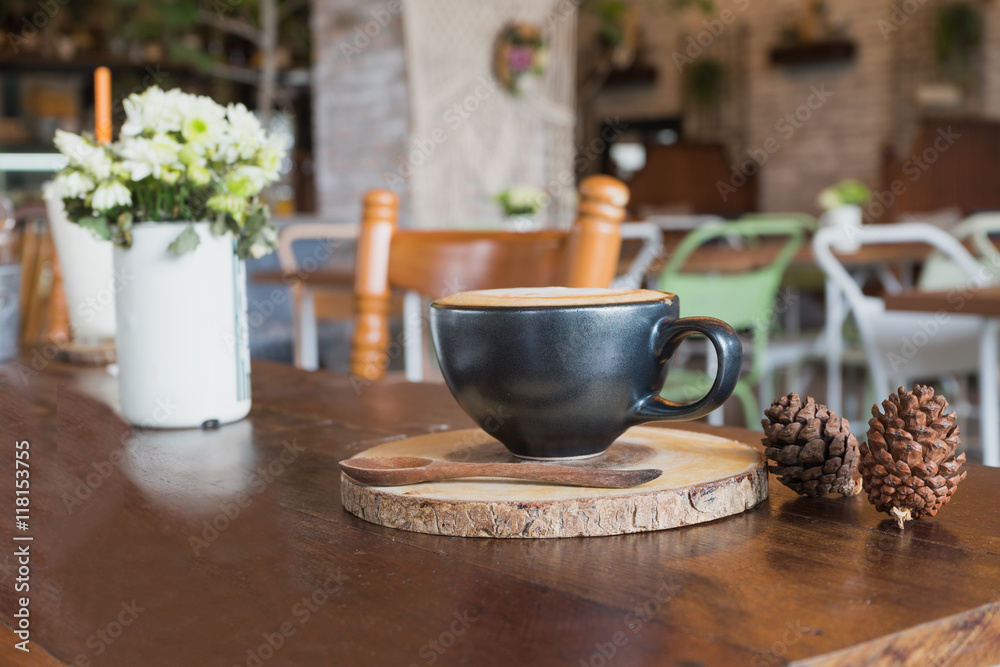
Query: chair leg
[
  {"x": 414, "y": 338},
  {"x": 305, "y": 339},
  {"x": 744, "y": 392},
  {"x": 766, "y": 388},
  {"x": 989, "y": 397}
]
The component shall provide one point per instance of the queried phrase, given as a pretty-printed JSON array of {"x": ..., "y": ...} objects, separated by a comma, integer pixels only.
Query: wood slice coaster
[{"x": 705, "y": 477}]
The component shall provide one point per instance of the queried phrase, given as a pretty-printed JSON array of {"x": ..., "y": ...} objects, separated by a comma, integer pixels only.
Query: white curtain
[{"x": 470, "y": 137}]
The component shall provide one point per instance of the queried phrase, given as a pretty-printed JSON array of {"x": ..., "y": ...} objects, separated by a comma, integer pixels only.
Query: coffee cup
[{"x": 560, "y": 373}]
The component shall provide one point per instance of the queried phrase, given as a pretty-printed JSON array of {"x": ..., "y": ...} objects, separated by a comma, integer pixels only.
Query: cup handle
[{"x": 668, "y": 336}]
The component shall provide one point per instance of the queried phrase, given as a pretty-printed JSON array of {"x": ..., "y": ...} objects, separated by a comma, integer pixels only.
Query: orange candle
[{"x": 102, "y": 104}]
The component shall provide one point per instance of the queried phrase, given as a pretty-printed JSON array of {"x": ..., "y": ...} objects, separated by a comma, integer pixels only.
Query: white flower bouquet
[
  {"x": 522, "y": 200},
  {"x": 179, "y": 158}
]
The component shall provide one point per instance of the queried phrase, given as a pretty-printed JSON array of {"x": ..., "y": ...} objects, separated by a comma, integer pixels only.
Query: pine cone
[
  {"x": 908, "y": 465},
  {"x": 814, "y": 449}
]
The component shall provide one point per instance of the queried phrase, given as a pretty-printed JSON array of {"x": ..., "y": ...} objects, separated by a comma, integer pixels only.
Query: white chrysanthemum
[
  {"x": 153, "y": 110},
  {"x": 192, "y": 155},
  {"x": 70, "y": 185},
  {"x": 148, "y": 157},
  {"x": 204, "y": 120},
  {"x": 71, "y": 145},
  {"x": 246, "y": 181},
  {"x": 109, "y": 195},
  {"x": 84, "y": 154},
  {"x": 270, "y": 156},
  {"x": 244, "y": 137}
]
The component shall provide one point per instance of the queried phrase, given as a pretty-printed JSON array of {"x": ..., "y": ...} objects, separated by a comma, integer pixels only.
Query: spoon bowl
[{"x": 402, "y": 470}]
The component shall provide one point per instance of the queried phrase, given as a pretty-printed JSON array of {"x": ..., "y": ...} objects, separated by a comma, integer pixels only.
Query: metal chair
[
  {"x": 899, "y": 346},
  {"x": 745, "y": 300},
  {"x": 939, "y": 272},
  {"x": 305, "y": 341}
]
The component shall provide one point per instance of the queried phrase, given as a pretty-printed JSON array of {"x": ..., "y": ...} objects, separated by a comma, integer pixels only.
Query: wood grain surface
[
  {"x": 960, "y": 300},
  {"x": 235, "y": 547},
  {"x": 704, "y": 478}
]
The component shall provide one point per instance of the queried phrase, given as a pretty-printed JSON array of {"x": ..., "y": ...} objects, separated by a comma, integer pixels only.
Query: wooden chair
[{"x": 438, "y": 263}]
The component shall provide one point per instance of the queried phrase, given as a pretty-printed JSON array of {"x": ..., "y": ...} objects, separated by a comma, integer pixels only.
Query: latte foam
[{"x": 552, "y": 297}]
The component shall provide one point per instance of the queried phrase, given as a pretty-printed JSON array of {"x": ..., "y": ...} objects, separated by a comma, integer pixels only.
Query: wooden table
[
  {"x": 985, "y": 302},
  {"x": 231, "y": 547},
  {"x": 740, "y": 260}
]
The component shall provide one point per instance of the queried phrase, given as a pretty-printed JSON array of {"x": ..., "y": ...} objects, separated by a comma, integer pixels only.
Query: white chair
[
  {"x": 681, "y": 223},
  {"x": 651, "y": 236},
  {"x": 305, "y": 340},
  {"x": 899, "y": 346},
  {"x": 939, "y": 272}
]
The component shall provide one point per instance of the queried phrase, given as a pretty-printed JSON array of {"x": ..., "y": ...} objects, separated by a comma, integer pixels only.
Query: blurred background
[{"x": 703, "y": 107}]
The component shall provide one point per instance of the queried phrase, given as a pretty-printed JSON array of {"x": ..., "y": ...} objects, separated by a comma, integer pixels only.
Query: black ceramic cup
[{"x": 558, "y": 373}]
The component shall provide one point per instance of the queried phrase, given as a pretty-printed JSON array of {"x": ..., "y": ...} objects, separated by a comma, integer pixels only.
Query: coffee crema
[{"x": 551, "y": 297}]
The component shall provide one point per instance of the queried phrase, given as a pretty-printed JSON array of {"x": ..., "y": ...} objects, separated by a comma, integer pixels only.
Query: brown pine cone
[
  {"x": 908, "y": 465},
  {"x": 814, "y": 450}
]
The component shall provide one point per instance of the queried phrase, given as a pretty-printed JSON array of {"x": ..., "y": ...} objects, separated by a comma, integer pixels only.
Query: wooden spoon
[{"x": 400, "y": 470}]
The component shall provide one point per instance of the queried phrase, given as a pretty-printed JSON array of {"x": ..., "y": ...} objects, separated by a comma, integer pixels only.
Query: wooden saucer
[{"x": 705, "y": 477}]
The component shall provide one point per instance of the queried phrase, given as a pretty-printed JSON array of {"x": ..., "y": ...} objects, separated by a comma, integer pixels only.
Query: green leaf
[
  {"x": 186, "y": 242},
  {"x": 98, "y": 225},
  {"x": 256, "y": 220}
]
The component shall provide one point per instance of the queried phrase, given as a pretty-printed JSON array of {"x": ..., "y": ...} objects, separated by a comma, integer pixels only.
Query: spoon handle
[{"x": 544, "y": 472}]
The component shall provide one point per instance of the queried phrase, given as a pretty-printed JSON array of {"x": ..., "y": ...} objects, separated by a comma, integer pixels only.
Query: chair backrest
[
  {"x": 745, "y": 300},
  {"x": 939, "y": 272},
  {"x": 652, "y": 245},
  {"x": 438, "y": 263},
  {"x": 866, "y": 309},
  {"x": 310, "y": 231},
  {"x": 808, "y": 222}
]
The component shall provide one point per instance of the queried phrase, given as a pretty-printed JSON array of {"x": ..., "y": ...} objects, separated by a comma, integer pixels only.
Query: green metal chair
[{"x": 744, "y": 300}]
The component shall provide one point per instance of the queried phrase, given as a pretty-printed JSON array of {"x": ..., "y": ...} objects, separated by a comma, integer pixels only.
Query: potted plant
[
  {"x": 842, "y": 204},
  {"x": 958, "y": 32},
  {"x": 521, "y": 205},
  {"x": 704, "y": 83},
  {"x": 178, "y": 195}
]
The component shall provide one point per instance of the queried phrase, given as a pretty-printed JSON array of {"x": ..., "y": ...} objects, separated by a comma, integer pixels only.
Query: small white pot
[
  {"x": 182, "y": 340},
  {"x": 848, "y": 219},
  {"x": 522, "y": 223}
]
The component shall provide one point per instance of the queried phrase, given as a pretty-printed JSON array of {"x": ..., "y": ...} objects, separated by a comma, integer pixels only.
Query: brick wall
[
  {"x": 362, "y": 114},
  {"x": 859, "y": 108}
]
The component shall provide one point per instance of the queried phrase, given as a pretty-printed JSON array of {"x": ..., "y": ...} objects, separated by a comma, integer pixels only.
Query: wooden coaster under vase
[{"x": 705, "y": 477}]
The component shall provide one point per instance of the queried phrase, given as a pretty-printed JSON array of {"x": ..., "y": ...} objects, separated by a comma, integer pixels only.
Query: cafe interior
[{"x": 340, "y": 332}]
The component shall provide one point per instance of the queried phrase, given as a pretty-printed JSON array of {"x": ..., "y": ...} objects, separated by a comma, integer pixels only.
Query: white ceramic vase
[
  {"x": 182, "y": 340},
  {"x": 86, "y": 265}
]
